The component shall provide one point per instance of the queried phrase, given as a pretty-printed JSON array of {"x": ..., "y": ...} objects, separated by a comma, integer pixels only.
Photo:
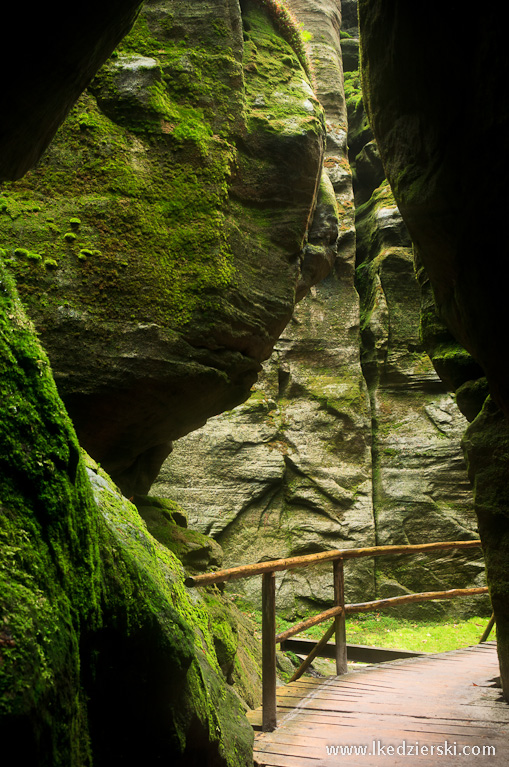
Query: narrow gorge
[{"x": 251, "y": 288}]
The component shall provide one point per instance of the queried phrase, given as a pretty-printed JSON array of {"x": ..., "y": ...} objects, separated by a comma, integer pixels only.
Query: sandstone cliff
[
  {"x": 125, "y": 243},
  {"x": 159, "y": 247},
  {"x": 350, "y": 437},
  {"x": 422, "y": 88},
  {"x": 159, "y": 243}
]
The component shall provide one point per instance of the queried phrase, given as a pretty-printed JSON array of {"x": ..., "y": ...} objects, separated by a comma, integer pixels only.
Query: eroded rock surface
[
  {"x": 421, "y": 89},
  {"x": 350, "y": 438},
  {"x": 290, "y": 471},
  {"x": 105, "y": 657},
  {"x": 159, "y": 244}
]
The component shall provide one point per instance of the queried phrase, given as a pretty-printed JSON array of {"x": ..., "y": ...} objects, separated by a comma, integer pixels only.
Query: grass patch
[
  {"x": 420, "y": 636},
  {"x": 397, "y": 633}
]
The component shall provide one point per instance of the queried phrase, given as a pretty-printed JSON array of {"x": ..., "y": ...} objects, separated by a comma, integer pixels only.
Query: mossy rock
[
  {"x": 196, "y": 551},
  {"x": 174, "y": 513},
  {"x": 176, "y": 214},
  {"x": 97, "y": 625}
]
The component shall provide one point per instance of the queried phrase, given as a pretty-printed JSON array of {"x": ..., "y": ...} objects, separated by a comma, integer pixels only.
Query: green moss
[
  {"x": 353, "y": 90},
  {"x": 49, "y": 567},
  {"x": 148, "y": 174},
  {"x": 150, "y": 198},
  {"x": 204, "y": 714},
  {"x": 95, "y": 622},
  {"x": 290, "y": 29},
  {"x": 195, "y": 550},
  {"x": 275, "y": 94}
]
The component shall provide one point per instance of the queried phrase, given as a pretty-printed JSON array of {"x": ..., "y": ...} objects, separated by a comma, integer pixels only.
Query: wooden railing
[{"x": 337, "y": 613}]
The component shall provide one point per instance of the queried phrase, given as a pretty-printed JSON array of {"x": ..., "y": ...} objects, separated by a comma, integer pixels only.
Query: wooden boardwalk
[{"x": 423, "y": 710}]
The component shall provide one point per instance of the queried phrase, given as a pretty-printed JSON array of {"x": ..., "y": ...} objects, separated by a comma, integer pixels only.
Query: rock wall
[
  {"x": 350, "y": 437},
  {"x": 422, "y": 88},
  {"x": 159, "y": 243},
  {"x": 290, "y": 471},
  {"x": 104, "y": 656}
]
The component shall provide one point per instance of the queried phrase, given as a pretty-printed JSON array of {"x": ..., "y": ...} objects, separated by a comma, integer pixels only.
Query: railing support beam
[
  {"x": 317, "y": 649},
  {"x": 269, "y": 718},
  {"x": 488, "y": 629},
  {"x": 339, "y": 620}
]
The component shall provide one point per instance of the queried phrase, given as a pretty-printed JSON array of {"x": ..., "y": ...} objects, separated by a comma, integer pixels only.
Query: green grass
[
  {"x": 397, "y": 633},
  {"x": 421, "y": 636}
]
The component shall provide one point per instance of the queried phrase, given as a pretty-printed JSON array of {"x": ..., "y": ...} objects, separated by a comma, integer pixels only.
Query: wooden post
[
  {"x": 314, "y": 652},
  {"x": 339, "y": 620},
  {"x": 488, "y": 628},
  {"x": 269, "y": 718}
]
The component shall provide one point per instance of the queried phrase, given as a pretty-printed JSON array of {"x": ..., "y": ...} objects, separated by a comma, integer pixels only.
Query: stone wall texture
[{"x": 350, "y": 437}]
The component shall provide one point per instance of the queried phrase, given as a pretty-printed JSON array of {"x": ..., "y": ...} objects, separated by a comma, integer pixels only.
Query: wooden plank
[
  {"x": 318, "y": 730},
  {"x": 439, "y": 703},
  {"x": 348, "y": 721}
]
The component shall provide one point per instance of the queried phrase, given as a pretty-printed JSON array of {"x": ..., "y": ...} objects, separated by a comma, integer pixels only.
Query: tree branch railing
[{"x": 337, "y": 613}]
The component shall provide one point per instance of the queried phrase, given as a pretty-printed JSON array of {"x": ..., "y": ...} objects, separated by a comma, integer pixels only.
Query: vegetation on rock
[{"x": 169, "y": 212}]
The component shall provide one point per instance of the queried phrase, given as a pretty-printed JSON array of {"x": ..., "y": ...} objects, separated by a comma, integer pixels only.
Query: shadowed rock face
[
  {"x": 57, "y": 65},
  {"x": 105, "y": 658},
  {"x": 435, "y": 95},
  {"x": 159, "y": 245}
]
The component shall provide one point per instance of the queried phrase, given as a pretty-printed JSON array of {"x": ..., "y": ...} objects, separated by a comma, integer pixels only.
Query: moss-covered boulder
[
  {"x": 159, "y": 244},
  {"x": 167, "y": 522},
  {"x": 104, "y": 655},
  {"x": 167, "y": 684}
]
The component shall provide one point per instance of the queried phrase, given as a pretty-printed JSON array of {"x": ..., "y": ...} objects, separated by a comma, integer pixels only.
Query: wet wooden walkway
[{"x": 436, "y": 710}]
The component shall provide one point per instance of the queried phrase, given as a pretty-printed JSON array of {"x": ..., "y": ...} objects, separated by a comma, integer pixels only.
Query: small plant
[
  {"x": 21, "y": 252},
  {"x": 50, "y": 263},
  {"x": 34, "y": 256},
  {"x": 75, "y": 223},
  {"x": 84, "y": 254},
  {"x": 69, "y": 236}
]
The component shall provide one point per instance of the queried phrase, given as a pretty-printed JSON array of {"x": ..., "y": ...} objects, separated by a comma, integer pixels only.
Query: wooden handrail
[
  {"x": 377, "y": 604},
  {"x": 338, "y": 612},
  {"x": 274, "y": 565}
]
